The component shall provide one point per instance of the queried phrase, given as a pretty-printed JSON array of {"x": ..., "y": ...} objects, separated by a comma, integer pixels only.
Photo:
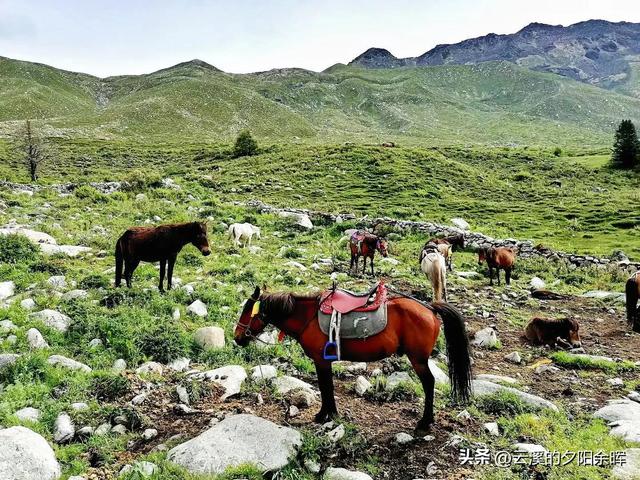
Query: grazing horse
[
  {"x": 455, "y": 241},
  {"x": 365, "y": 244},
  {"x": 546, "y": 331},
  {"x": 433, "y": 264},
  {"x": 412, "y": 328},
  {"x": 153, "y": 244},
  {"x": 632, "y": 294},
  {"x": 246, "y": 231},
  {"x": 498, "y": 258}
]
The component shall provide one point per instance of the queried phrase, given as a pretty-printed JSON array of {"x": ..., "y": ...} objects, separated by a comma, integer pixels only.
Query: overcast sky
[{"x": 113, "y": 37}]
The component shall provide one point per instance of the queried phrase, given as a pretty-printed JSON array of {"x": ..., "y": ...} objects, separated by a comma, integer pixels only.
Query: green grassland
[{"x": 494, "y": 103}]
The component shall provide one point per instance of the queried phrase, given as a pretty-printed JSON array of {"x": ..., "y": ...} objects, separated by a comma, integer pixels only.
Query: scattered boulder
[
  {"x": 530, "y": 448},
  {"x": 36, "y": 340},
  {"x": 362, "y": 385},
  {"x": 230, "y": 377},
  {"x": 25, "y": 455},
  {"x": 439, "y": 374},
  {"x": 120, "y": 365},
  {"x": 263, "y": 372},
  {"x": 7, "y": 359},
  {"x": 496, "y": 378},
  {"x": 300, "y": 219},
  {"x": 630, "y": 470},
  {"x": 492, "y": 429},
  {"x": 143, "y": 469},
  {"x": 57, "y": 281},
  {"x": 624, "y": 416},
  {"x": 537, "y": 283},
  {"x": 484, "y": 387},
  {"x": 150, "y": 434},
  {"x": 336, "y": 434},
  {"x": 28, "y": 304},
  {"x": 7, "y": 289},
  {"x": 460, "y": 223},
  {"x": 33, "y": 235},
  {"x": 238, "y": 440},
  {"x": 28, "y": 414},
  {"x": 7, "y": 326},
  {"x": 52, "y": 319},
  {"x": 68, "y": 250},
  {"x": 179, "y": 364},
  {"x": 486, "y": 338},
  {"x": 286, "y": 384},
  {"x": 403, "y": 438},
  {"x": 150, "y": 368},
  {"x": 332, "y": 473},
  {"x": 209, "y": 337},
  {"x": 63, "y": 429},
  {"x": 68, "y": 363},
  {"x": 75, "y": 295},
  {"x": 397, "y": 378},
  {"x": 198, "y": 308},
  {"x": 513, "y": 357}
]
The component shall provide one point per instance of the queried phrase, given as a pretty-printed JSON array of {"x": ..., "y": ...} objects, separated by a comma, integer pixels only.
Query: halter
[{"x": 255, "y": 313}]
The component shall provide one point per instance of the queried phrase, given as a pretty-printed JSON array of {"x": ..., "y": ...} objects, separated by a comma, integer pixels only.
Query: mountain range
[{"x": 481, "y": 91}]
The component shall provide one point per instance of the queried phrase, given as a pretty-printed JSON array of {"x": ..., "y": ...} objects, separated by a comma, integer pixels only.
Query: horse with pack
[
  {"x": 337, "y": 324},
  {"x": 364, "y": 244},
  {"x": 433, "y": 265}
]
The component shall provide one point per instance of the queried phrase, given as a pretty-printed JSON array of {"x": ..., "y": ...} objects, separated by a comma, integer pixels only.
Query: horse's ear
[
  {"x": 264, "y": 287},
  {"x": 256, "y": 293}
]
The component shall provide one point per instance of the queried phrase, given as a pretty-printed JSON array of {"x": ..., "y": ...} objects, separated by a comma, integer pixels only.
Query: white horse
[
  {"x": 434, "y": 265},
  {"x": 243, "y": 231}
]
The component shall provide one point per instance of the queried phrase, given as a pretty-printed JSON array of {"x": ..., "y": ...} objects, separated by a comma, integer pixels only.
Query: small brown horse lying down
[
  {"x": 157, "y": 244},
  {"x": 632, "y": 294},
  {"x": 546, "y": 331},
  {"x": 498, "y": 258},
  {"x": 364, "y": 244},
  {"x": 412, "y": 329}
]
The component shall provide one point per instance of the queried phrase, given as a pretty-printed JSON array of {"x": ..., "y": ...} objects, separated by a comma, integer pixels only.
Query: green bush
[
  {"x": 164, "y": 343},
  {"x": 107, "y": 386},
  {"x": 245, "y": 145},
  {"x": 140, "y": 180},
  {"x": 557, "y": 152},
  {"x": 503, "y": 403},
  {"x": 17, "y": 248},
  {"x": 94, "y": 281},
  {"x": 88, "y": 192}
]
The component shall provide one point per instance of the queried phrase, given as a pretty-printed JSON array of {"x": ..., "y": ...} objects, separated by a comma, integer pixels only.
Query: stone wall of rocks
[{"x": 474, "y": 240}]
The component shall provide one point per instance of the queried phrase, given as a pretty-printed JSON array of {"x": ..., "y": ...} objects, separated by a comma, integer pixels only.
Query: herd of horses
[{"x": 412, "y": 326}]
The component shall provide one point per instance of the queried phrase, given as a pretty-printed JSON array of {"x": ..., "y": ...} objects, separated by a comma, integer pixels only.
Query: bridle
[{"x": 247, "y": 326}]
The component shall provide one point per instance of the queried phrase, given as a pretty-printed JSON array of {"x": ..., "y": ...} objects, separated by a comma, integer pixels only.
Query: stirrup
[{"x": 325, "y": 353}]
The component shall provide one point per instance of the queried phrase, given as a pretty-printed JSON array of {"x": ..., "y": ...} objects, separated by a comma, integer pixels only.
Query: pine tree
[
  {"x": 626, "y": 148},
  {"x": 245, "y": 145}
]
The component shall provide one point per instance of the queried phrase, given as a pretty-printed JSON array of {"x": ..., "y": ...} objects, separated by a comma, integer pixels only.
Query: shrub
[
  {"x": 140, "y": 180},
  {"x": 522, "y": 176},
  {"x": 557, "y": 151},
  {"x": 164, "y": 342},
  {"x": 87, "y": 192},
  {"x": 503, "y": 403},
  {"x": 108, "y": 386},
  {"x": 94, "y": 281},
  {"x": 17, "y": 248},
  {"x": 245, "y": 145},
  {"x": 52, "y": 266}
]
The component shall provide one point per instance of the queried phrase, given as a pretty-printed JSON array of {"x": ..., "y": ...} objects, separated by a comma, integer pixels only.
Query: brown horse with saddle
[
  {"x": 371, "y": 327},
  {"x": 157, "y": 244}
]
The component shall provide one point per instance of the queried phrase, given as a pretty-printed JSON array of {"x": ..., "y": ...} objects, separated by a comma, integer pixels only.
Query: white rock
[
  {"x": 624, "y": 416},
  {"x": 28, "y": 304},
  {"x": 530, "y": 448},
  {"x": 141, "y": 469},
  {"x": 103, "y": 429},
  {"x": 483, "y": 388},
  {"x": 120, "y": 365},
  {"x": 32, "y": 235},
  {"x": 298, "y": 265},
  {"x": 57, "y": 281},
  {"x": 441, "y": 377},
  {"x": 75, "y": 295},
  {"x": 230, "y": 377},
  {"x": 332, "y": 473},
  {"x": 492, "y": 429},
  {"x": 150, "y": 368},
  {"x": 68, "y": 250},
  {"x": 198, "y": 308},
  {"x": 486, "y": 338},
  {"x": 7, "y": 289},
  {"x": 36, "y": 340},
  {"x": 513, "y": 357},
  {"x": 402, "y": 438},
  {"x": 176, "y": 314},
  {"x": 70, "y": 363},
  {"x": 80, "y": 406},
  {"x": 263, "y": 372},
  {"x": 95, "y": 343},
  {"x": 25, "y": 455},
  {"x": 537, "y": 283},
  {"x": 52, "y": 319},
  {"x": 179, "y": 364},
  {"x": 362, "y": 385},
  {"x": 390, "y": 261},
  {"x": 238, "y": 440},
  {"x": 150, "y": 434},
  {"x": 615, "y": 382},
  {"x": 460, "y": 223},
  {"x": 293, "y": 411},
  {"x": 496, "y": 378},
  {"x": 286, "y": 384},
  {"x": 28, "y": 414},
  {"x": 183, "y": 395},
  {"x": 300, "y": 219},
  {"x": 63, "y": 429},
  {"x": 7, "y": 326},
  {"x": 631, "y": 468},
  {"x": 336, "y": 434},
  {"x": 210, "y": 337},
  {"x": 397, "y": 378},
  {"x": 119, "y": 430},
  {"x": 139, "y": 399},
  {"x": 635, "y": 396},
  {"x": 7, "y": 359}
]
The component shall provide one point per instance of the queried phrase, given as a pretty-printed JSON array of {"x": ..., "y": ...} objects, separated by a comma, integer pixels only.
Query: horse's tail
[
  {"x": 458, "y": 355},
  {"x": 119, "y": 261},
  {"x": 631, "y": 289},
  {"x": 443, "y": 280}
]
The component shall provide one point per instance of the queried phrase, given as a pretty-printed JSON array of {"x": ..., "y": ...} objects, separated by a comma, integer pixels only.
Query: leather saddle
[{"x": 345, "y": 301}]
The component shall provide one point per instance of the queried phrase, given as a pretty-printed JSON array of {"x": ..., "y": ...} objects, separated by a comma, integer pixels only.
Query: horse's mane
[{"x": 282, "y": 304}]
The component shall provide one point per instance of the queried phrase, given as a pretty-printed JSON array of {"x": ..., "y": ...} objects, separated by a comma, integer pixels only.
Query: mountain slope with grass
[{"x": 492, "y": 103}]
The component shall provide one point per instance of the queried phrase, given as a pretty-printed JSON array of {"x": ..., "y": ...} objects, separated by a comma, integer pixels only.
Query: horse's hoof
[
  {"x": 321, "y": 417},
  {"x": 422, "y": 429}
]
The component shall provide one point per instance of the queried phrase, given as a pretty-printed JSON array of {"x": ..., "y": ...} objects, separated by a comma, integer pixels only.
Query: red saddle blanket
[{"x": 345, "y": 301}]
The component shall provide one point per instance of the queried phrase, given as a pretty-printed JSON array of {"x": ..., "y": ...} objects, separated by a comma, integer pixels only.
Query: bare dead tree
[{"x": 34, "y": 152}]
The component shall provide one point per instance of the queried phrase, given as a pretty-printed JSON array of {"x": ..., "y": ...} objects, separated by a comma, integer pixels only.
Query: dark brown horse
[
  {"x": 157, "y": 244},
  {"x": 412, "y": 329},
  {"x": 498, "y": 258},
  {"x": 632, "y": 294},
  {"x": 546, "y": 331},
  {"x": 456, "y": 242},
  {"x": 364, "y": 244}
]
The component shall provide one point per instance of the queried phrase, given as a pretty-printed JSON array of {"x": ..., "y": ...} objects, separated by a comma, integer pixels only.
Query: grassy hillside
[
  {"x": 491, "y": 103},
  {"x": 573, "y": 202}
]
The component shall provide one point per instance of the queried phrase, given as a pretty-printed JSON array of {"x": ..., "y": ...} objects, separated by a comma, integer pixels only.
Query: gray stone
[
  {"x": 150, "y": 434},
  {"x": 624, "y": 416},
  {"x": 68, "y": 250},
  {"x": 139, "y": 399},
  {"x": 492, "y": 429},
  {"x": 28, "y": 304},
  {"x": 530, "y": 448},
  {"x": 336, "y": 434},
  {"x": 70, "y": 363},
  {"x": 28, "y": 414},
  {"x": 263, "y": 372},
  {"x": 486, "y": 338},
  {"x": 537, "y": 283},
  {"x": 513, "y": 357},
  {"x": 52, "y": 319},
  {"x": 183, "y": 394},
  {"x": 103, "y": 429},
  {"x": 150, "y": 368},
  {"x": 210, "y": 337},
  {"x": 57, "y": 281},
  {"x": 179, "y": 364},
  {"x": 7, "y": 359},
  {"x": 119, "y": 365},
  {"x": 484, "y": 387},
  {"x": 615, "y": 382},
  {"x": 198, "y": 308},
  {"x": 439, "y": 374},
  {"x": 25, "y": 455},
  {"x": 397, "y": 378},
  {"x": 286, "y": 384},
  {"x": 36, "y": 340},
  {"x": 80, "y": 406},
  {"x": 238, "y": 440},
  {"x": 403, "y": 438},
  {"x": 230, "y": 377},
  {"x": 362, "y": 385},
  {"x": 7, "y": 289},
  {"x": 332, "y": 473},
  {"x": 631, "y": 468},
  {"x": 119, "y": 430},
  {"x": 461, "y": 223},
  {"x": 95, "y": 343},
  {"x": 496, "y": 378},
  {"x": 63, "y": 429},
  {"x": 7, "y": 326}
]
